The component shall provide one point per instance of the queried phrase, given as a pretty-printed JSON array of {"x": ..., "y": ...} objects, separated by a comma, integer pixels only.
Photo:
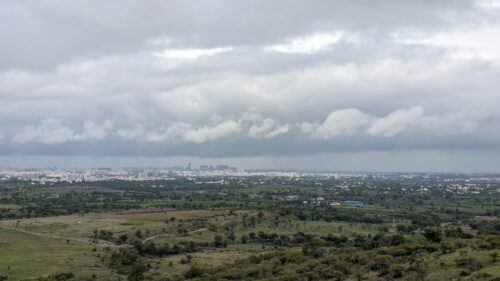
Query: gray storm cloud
[{"x": 248, "y": 78}]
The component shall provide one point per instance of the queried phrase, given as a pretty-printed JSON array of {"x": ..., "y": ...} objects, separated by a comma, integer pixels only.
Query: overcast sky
[{"x": 396, "y": 85}]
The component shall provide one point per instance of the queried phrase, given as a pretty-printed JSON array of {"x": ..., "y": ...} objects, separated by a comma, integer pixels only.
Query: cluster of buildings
[
  {"x": 226, "y": 175},
  {"x": 205, "y": 174},
  {"x": 321, "y": 201},
  {"x": 54, "y": 175}
]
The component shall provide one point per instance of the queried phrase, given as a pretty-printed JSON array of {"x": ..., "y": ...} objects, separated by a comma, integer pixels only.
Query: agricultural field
[{"x": 24, "y": 256}]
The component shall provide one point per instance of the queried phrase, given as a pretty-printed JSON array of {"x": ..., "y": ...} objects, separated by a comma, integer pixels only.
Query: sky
[{"x": 360, "y": 85}]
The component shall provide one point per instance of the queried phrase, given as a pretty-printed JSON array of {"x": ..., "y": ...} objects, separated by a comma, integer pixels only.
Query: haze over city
[{"x": 320, "y": 85}]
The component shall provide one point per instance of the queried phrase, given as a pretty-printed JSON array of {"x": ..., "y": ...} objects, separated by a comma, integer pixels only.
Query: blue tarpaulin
[{"x": 353, "y": 203}]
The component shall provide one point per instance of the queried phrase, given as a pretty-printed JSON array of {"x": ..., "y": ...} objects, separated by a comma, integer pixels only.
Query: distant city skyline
[{"x": 423, "y": 162}]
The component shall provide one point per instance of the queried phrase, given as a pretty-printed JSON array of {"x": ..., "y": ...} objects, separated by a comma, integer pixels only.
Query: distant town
[{"x": 227, "y": 175}]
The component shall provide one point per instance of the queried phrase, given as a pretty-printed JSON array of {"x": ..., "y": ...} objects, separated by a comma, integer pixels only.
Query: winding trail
[
  {"x": 96, "y": 241},
  {"x": 185, "y": 234},
  {"x": 99, "y": 241},
  {"x": 74, "y": 239},
  {"x": 173, "y": 235}
]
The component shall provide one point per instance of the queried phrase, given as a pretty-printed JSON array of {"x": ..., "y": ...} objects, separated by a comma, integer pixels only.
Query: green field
[{"x": 25, "y": 256}]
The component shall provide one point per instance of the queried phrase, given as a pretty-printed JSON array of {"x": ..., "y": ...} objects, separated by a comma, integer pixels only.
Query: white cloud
[
  {"x": 180, "y": 130},
  {"x": 452, "y": 123},
  {"x": 204, "y": 134},
  {"x": 345, "y": 122},
  {"x": 162, "y": 133},
  {"x": 268, "y": 128},
  {"x": 135, "y": 132},
  {"x": 464, "y": 43},
  {"x": 191, "y": 54},
  {"x": 349, "y": 122},
  {"x": 307, "y": 44},
  {"x": 50, "y": 131},
  {"x": 160, "y": 41},
  {"x": 396, "y": 122},
  {"x": 95, "y": 131},
  {"x": 488, "y": 4},
  {"x": 174, "y": 131},
  {"x": 340, "y": 123}
]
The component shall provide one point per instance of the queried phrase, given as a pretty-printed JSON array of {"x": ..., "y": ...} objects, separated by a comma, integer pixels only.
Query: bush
[
  {"x": 432, "y": 235},
  {"x": 193, "y": 272},
  {"x": 397, "y": 270}
]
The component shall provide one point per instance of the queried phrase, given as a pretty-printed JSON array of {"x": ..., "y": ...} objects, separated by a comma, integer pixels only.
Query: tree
[
  {"x": 137, "y": 271},
  {"x": 244, "y": 239},
  {"x": 231, "y": 236},
  {"x": 433, "y": 235},
  {"x": 314, "y": 247},
  {"x": 494, "y": 256},
  {"x": 397, "y": 239},
  {"x": 218, "y": 241},
  {"x": 123, "y": 238}
]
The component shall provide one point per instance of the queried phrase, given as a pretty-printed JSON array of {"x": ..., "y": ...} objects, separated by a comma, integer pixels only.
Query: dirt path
[
  {"x": 177, "y": 235},
  {"x": 173, "y": 235},
  {"x": 74, "y": 239}
]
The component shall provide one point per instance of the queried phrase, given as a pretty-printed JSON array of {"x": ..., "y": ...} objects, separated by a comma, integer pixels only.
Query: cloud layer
[{"x": 248, "y": 78}]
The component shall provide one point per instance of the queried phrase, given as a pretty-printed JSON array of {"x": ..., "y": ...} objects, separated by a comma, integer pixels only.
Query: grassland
[
  {"x": 156, "y": 221},
  {"x": 26, "y": 256}
]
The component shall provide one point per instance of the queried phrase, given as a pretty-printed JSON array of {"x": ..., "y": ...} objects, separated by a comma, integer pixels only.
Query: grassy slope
[{"x": 26, "y": 256}]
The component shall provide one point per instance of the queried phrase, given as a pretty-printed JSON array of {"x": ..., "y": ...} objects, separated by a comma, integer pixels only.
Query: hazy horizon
[{"x": 428, "y": 162}]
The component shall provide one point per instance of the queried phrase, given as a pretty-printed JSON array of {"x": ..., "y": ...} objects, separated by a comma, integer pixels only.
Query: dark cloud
[{"x": 41, "y": 34}]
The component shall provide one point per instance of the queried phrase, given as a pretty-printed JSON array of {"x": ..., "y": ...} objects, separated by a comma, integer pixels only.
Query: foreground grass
[
  {"x": 117, "y": 222},
  {"x": 24, "y": 256},
  {"x": 174, "y": 267}
]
